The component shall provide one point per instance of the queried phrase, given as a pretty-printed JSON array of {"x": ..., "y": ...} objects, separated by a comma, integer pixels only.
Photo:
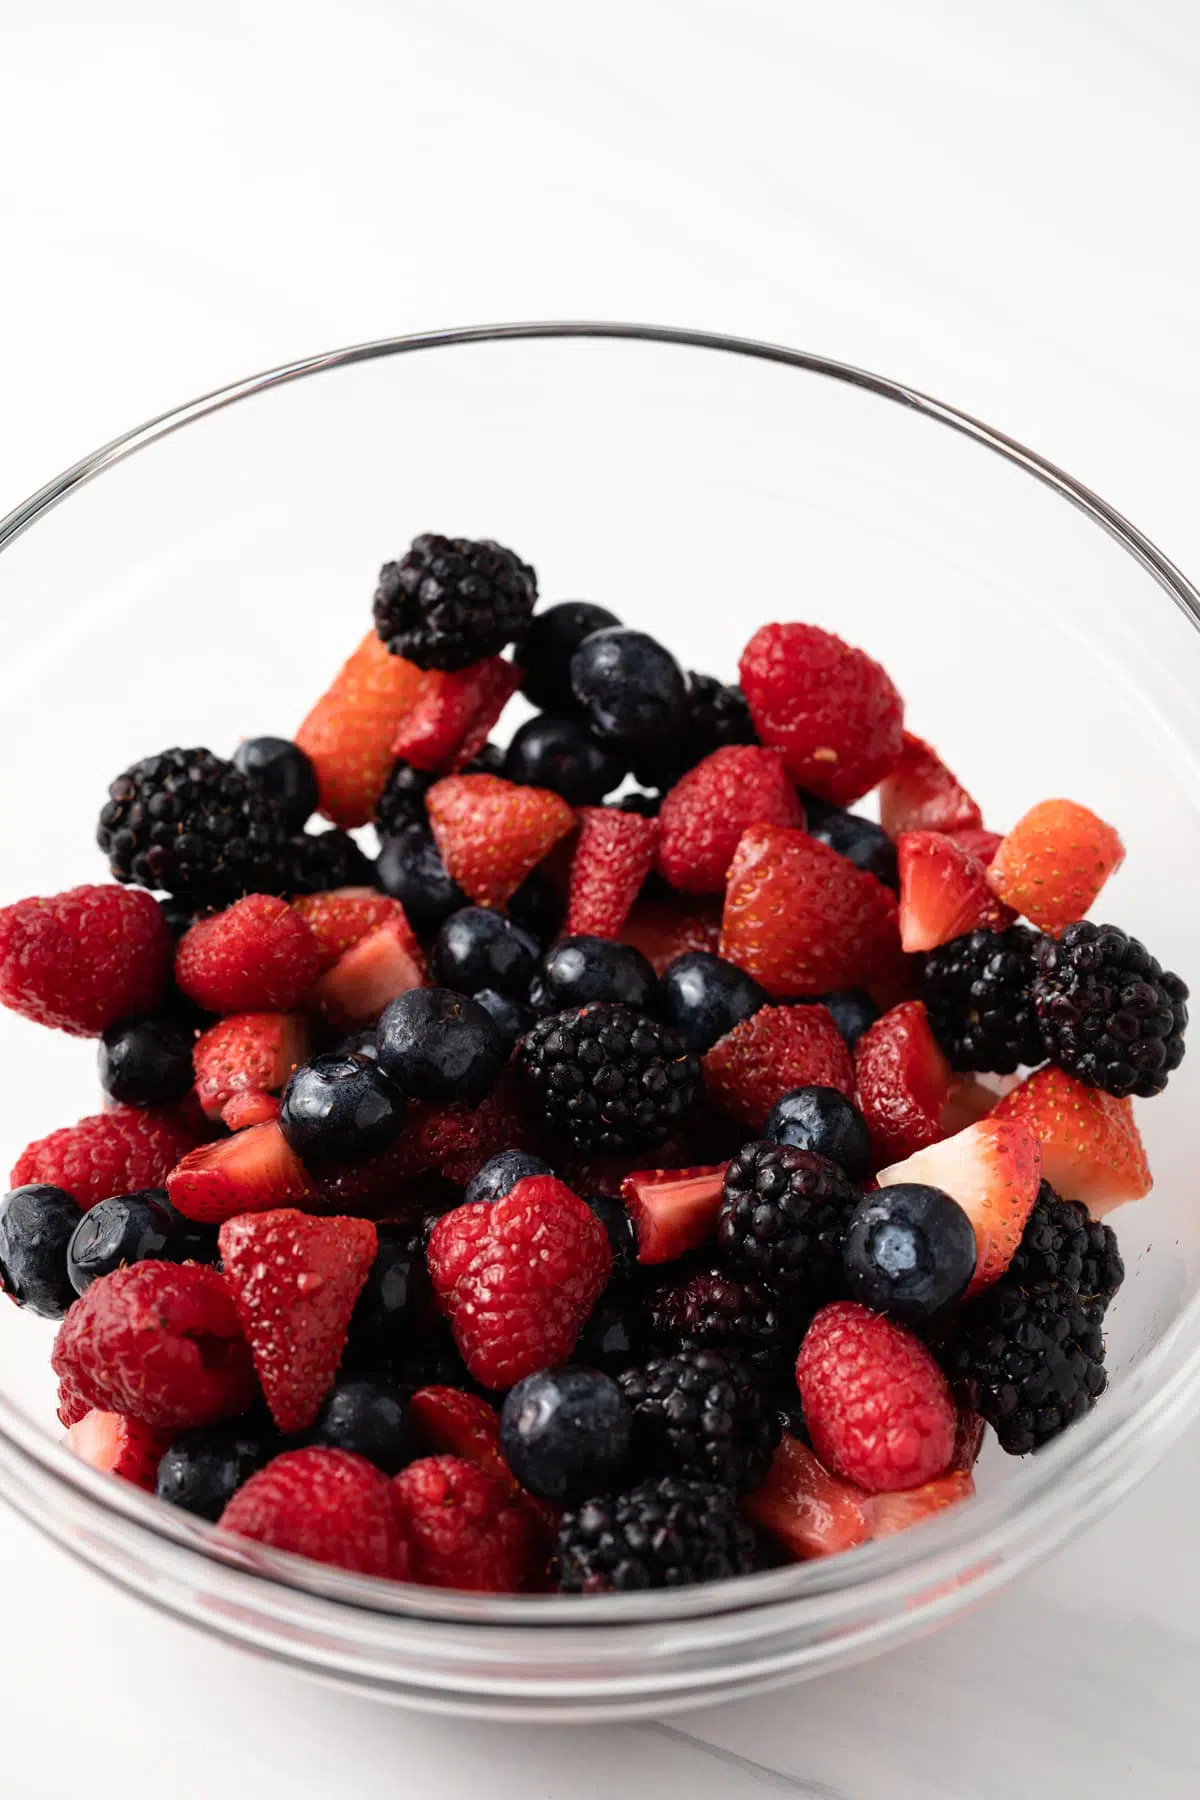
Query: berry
[
  {"x": 902, "y": 1082},
  {"x": 662, "y": 929},
  {"x": 393, "y": 1308},
  {"x": 614, "y": 851},
  {"x": 107, "y": 1153},
  {"x": 121, "y": 1231},
  {"x": 861, "y": 841},
  {"x": 36, "y": 1225},
  {"x": 608, "y": 1078},
  {"x": 614, "y": 1337},
  {"x": 478, "y": 948},
  {"x": 500, "y": 1175},
  {"x": 513, "y": 1018},
  {"x": 369, "y": 1418},
  {"x": 631, "y": 689},
  {"x": 118, "y": 1446},
  {"x": 830, "y": 709},
  {"x": 705, "y": 814},
  {"x": 944, "y": 892},
  {"x": 878, "y": 1408},
  {"x": 703, "y": 998},
  {"x": 1091, "y": 1147},
  {"x": 983, "y": 845},
  {"x": 447, "y": 727},
  {"x": 146, "y": 1062},
  {"x": 777, "y": 1049},
  {"x": 537, "y": 907},
  {"x": 465, "y": 1528},
  {"x": 451, "y": 601},
  {"x": 201, "y": 1470},
  {"x": 349, "y": 732},
  {"x": 450, "y": 1422},
  {"x": 1054, "y": 862},
  {"x": 283, "y": 774},
  {"x": 337, "y": 1108},
  {"x": 566, "y": 1433},
  {"x": 517, "y": 1278},
  {"x": 160, "y": 1342},
  {"x": 367, "y": 977},
  {"x": 783, "y": 1217},
  {"x": 343, "y": 917},
  {"x": 800, "y": 918},
  {"x": 821, "y": 1119},
  {"x": 713, "y": 1310},
  {"x": 920, "y": 794},
  {"x": 909, "y": 1252},
  {"x": 435, "y": 1045},
  {"x": 1065, "y": 1251},
  {"x": 667, "y": 1533},
  {"x": 673, "y": 1210},
  {"x": 491, "y": 833},
  {"x": 807, "y": 1511},
  {"x": 188, "y": 822},
  {"x": 564, "y": 756},
  {"x": 1031, "y": 1363},
  {"x": 410, "y": 867},
  {"x": 853, "y": 1012},
  {"x": 324, "y": 1504},
  {"x": 252, "y": 1172},
  {"x": 977, "y": 997},
  {"x": 1107, "y": 1012},
  {"x": 553, "y": 638},
  {"x": 257, "y": 956},
  {"x": 715, "y": 717},
  {"x": 578, "y": 970},
  {"x": 402, "y": 802},
  {"x": 615, "y": 1218},
  {"x": 319, "y": 861},
  {"x": 83, "y": 960},
  {"x": 247, "y": 1054}
]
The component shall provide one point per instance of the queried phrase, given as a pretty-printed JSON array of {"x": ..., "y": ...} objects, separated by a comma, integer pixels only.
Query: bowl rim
[{"x": 1071, "y": 1481}]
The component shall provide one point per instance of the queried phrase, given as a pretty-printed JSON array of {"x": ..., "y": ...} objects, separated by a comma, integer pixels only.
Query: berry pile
[{"x": 595, "y": 1189}]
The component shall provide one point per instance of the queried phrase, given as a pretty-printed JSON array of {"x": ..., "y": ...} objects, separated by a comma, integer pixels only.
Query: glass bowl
[{"x": 207, "y": 587}]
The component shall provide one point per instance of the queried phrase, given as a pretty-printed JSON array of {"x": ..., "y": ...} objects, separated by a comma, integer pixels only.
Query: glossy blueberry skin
[
  {"x": 369, "y": 1418},
  {"x": 853, "y": 1011},
  {"x": 201, "y": 1470},
  {"x": 563, "y": 755},
  {"x": 501, "y": 1175},
  {"x": 909, "y": 1252},
  {"x": 703, "y": 997},
  {"x": 628, "y": 686},
  {"x": 614, "y": 1216},
  {"x": 861, "y": 841},
  {"x": 129, "y": 1228},
  {"x": 436, "y": 1045},
  {"x": 282, "y": 771},
  {"x": 552, "y": 639},
  {"x": 394, "y": 1307},
  {"x": 478, "y": 948},
  {"x": 410, "y": 868},
  {"x": 147, "y": 1062},
  {"x": 339, "y": 1108},
  {"x": 578, "y": 970},
  {"x": 823, "y": 1120},
  {"x": 37, "y": 1223},
  {"x": 513, "y": 1017},
  {"x": 566, "y": 1433}
]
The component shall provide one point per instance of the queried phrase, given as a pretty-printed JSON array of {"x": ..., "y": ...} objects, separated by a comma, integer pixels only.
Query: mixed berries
[{"x": 597, "y": 1188}]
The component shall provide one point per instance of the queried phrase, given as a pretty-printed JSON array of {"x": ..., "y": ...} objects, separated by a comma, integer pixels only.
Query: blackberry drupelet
[
  {"x": 1030, "y": 1363},
  {"x": 452, "y": 601},
  {"x": 710, "y": 1309},
  {"x": 1064, "y": 1250},
  {"x": 608, "y": 1078},
  {"x": 783, "y": 1218},
  {"x": 1108, "y": 1013},
  {"x": 701, "y": 1414},
  {"x": 716, "y": 715},
  {"x": 661, "y": 1534},
  {"x": 191, "y": 824},
  {"x": 976, "y": 990},
  {"x": 402, "y": 801},
  {"x": 316, "y": 861}
]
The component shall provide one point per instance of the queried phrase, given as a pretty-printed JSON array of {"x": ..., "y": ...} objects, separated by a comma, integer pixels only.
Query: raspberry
[
  {"x": 247, "y": 1053},
  {"x": 348, "y": 734},
  {"x": 491, "y": 833},
  {"x": 1107, "y": 1011},
  {"x": 82, "y": 960},
  {"x": 613, "y": 854},
  {"x": 257, "y": 956},
  {"x": 878, "y": 1408},
  {"x": 705, "y": 814},
  {"x": 465, "y": 1528},
  {"x": 700, "y": 1415},
  {"x": 345, "y": 916},
  {"x": 119, "y": 1446},
  {"x": 450, "y": 601},
  {"x": 783, "y": 1217},
  {"x": 329, "y": 1505},
  {"x": 667, "y": 1533},
  {"x": 116, "y": 1152},
  {"x": 778, "y": 1048},
  {"x": 160, "y": 1342}
]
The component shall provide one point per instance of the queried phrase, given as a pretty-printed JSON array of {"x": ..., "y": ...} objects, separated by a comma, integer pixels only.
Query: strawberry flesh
[
  {"x": 944, "y": 892},
  {"x": 252, "y": 1172},
  {"x": 993, "y": 1169},
  {"x": 673, "y": 1210}
]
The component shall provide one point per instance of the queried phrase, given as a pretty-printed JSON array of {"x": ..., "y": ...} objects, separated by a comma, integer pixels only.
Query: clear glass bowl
[{"x": 207, "y": 587}]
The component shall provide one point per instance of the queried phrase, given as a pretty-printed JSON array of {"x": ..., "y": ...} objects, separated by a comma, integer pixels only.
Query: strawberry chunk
[
  {"x": 119, "y": 1446},
  {"x": 454, "y": 714},
  {"x": 82, "y": 960},
  {"x": 776, "y": 1049},
  {"x": 673, "y": 1210},
  {"x": 342, "y": 917},
  {"x": 614, "y": 851},
  {"x": 705, "y": 813},
  {"x": 348, "y": 734},
  {"x": 887, "y": 1513},
  {"x": 920, "y": 794},
  {"x": 902, "y": 1082},
  {"x": 491, "y": 832},
  {"x": 247, "y": 1053},
  {"x": 1091, "y": 1147},
  {"x": 805, "y": 1509},
  {"x": 944, "y": 892},
  {"x": 252, "y": 1172},
  {"x": 329, "y": 1505},
  {"x": 256, "y": 956},
  {"x": 993, "y": 1169},
  {"x": 244, "y": 1110},
  {"x": 982, "y": 845},
  {"x": 370, "y": 974},
  {"x": 664, "y": 929},
  {"x": 1054, "y": 862}
]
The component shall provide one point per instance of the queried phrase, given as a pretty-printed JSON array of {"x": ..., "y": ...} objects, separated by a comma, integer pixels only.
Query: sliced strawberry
[
  {"x": 673, "y": 1210},
  {"x": 247, "y": 1053},
  {"x": 974, "y": 1097},
  {"x": 491, "y": 832},
  {"x": 887, "y": 1513},
  {"x": 993, "y": 1169},
  {"x": 454, "y": 713},
  {"x": 920, "y": 794},
  {"x": 664, "y": 929},
  {"x": 245, "y": 1110},
  {"x": 454, "y": 1423},
  {"x": 902, "y": 1081},
  {"x": 943, "y": 892},
  {"x": 804, "y": 1508},
  {"x": 1054, "y": 862},
  {"x": 982, "y": 845},
  {"x": 249, "y": 1173},
  {"x": 340, "y": 918},
  {"x": 348, "y": 734},
  {"x": 705, "y": 813},
  {"x": 614, "y": 851},
  {"x": 776, "y": 1049},
  {"x": 119, "y": 1446},
  {"x": 1091, "y": 1147},
  {"x": 373, "y": 971}
]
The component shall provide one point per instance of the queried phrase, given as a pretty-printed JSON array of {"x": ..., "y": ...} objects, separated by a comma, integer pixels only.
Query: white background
[{"x": 996, "y": 202}]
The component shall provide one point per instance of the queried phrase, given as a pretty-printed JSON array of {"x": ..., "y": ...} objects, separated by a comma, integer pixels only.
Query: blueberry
[
  {"x": 411, "y": 870},
  {"x": 859, "y": 840},
  {"x": 127, "y": 1229},
  {"x": 537, "y": 908},
  {"x": 436, "y": 1045},
  {"x": 853, "y": 1011},
  {"x": 36, "y": 1225},
  {"x": 562, "y": 754},
  {"x": 615, "y": 1218},
  {"x": 501, "y": 1175},
  {"x": 514, "y": 1017},
  {"x": 339, "y": 1108},
  {"x": 578, "y": 970},
  {"x": 630, "y": 688},
  {"x": 614, "y": 1337},
  {"x": 369, "y": 1418},
  {"x": 281, "y": 771},
  {"x": 551, "y": 641},
  {"x": 394, "y": 1307},
  {"x": 202, "y": 1469},
  {"x": 704, "y": 997},
  {"x": 147, "y": 1062},
  {"x": 909, "y": 1251},
  {"x": 478, "y": 948},
  {"x": 566, "y": 1433},
  {"x": 823, "y": 1120}
]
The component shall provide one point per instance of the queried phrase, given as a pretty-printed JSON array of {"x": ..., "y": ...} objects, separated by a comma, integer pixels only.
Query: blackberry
[
  {"x": 1064, "y": 1250},
  {"x": 1108, "y": 1013},
  {"x": 1030, "y": 1363},
  {"x": 976, "y": 990},
  {"x": 191, "y": 824},
  {"x": 661, "y": 1534},
  {"x": 402, "y": 801},
  {"x": 701, "y": 1414},
  {"x": 452, "y": 601},
  {"x": 609, "y": 1078},
  {"x": 716, "y": 715},
  {"x": 711, "y": 1309},
  {"x": 315, "y": 861},
  {"x": 783, "y": 1218}
]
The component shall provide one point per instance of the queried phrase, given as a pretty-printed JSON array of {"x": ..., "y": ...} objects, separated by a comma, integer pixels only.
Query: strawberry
[
  {"x": 256, "y": 956},
  {"x": 454, "y": 713},
  {"x": 252, "y": 1172},
  {"x": 247, "y": 1053},
  {"x": 920, "y": 794},
  {"x": 119, "y": 1446},
  {"x": 82, "y": 960},
  {"x": 108, "y": 1153},
  {"x": 329, "y": 1505},
  {"x": 1054, "y": 862},
  {"x": 294, "y": 1281},
  {"x": 943, "y": 892},
  {"x": 465, "y": 1529},
  {"x": 902, "y": 1081},
  {"x": 775, "y": 1049},
  {"x": 805, "y": 1509},
  {"x": 456, "y": 1423},
  {"x": 348, "y": 734},
  {"x": 673, "y": 1210},
  {"x": 491, "y": 832},
  {"x": 664, "y": 929},
  {"x": 1091, "y": 1147},
  {"x": 705, "y": 813},
  {"x": 342, "y": 917},
  {"x": 614, "y": 851},
  {"x": 244, "y": 1110},
  {"x": 802, "y": 919},
  {"x": 982, "y": 845},
  {"x": 993, "y": 1169},
  {"x": 373, "y": 971},
  {"x": 887, "y": 1513},
  {"x": 831, "y": 710}
]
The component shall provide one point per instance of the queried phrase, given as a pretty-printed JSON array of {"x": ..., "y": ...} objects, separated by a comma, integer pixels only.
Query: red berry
[
  {"x": 920, "y": 794},
  {"x": 71, "y": 1405},
  {"x": 257, "y": 956},
  {"x": 491, "y": 832},
  {"x": 877, "y": 1406},
  {"x": 664, "y": 929},
  {"x": 982, "y": 845},
  {"x": 1054, "y": 862},
  {"x": 902, "y": 1082},
  {"x": 831, "y": 710},
  {"x": 109, "y": 1153},
  {"x": 1091, "y": 1147},
  {"x": 807, "y": 1511},
  {"x": 294, "y": 1281},
  {"x": 673, "y": 1210},
  {"x": 244, "y": 1110},
  {"x": 614, "y": 851},
  {"x": 464, "y": 1528},
  {"x": 159, "y": 1342},
  {"x": 247, "y": 1053},
  {"x": 251, "y": 1172},
  {"x": 453, "y": 714},
  {"x": 887, "y": 1513},
  {"x": 451, "y": 1422},
  {"x": 84, "y": 959},
  {"x": 776, "y": 1049},
  {"x": 706, "y": 812},
  {"x": 944, "y": 892},
  {"x": 340, "y": 918},
  {"x": 384, "y": 963},
  {"x": 119, "y": 1446},
  {"x": 348, "y": 734},
  {"x": 993, "y": 1170},
  {"x": 328, "y": 1505}
]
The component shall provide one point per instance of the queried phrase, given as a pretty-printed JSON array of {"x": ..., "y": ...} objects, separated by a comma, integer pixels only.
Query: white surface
[{"x": 994, "y": 203}]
